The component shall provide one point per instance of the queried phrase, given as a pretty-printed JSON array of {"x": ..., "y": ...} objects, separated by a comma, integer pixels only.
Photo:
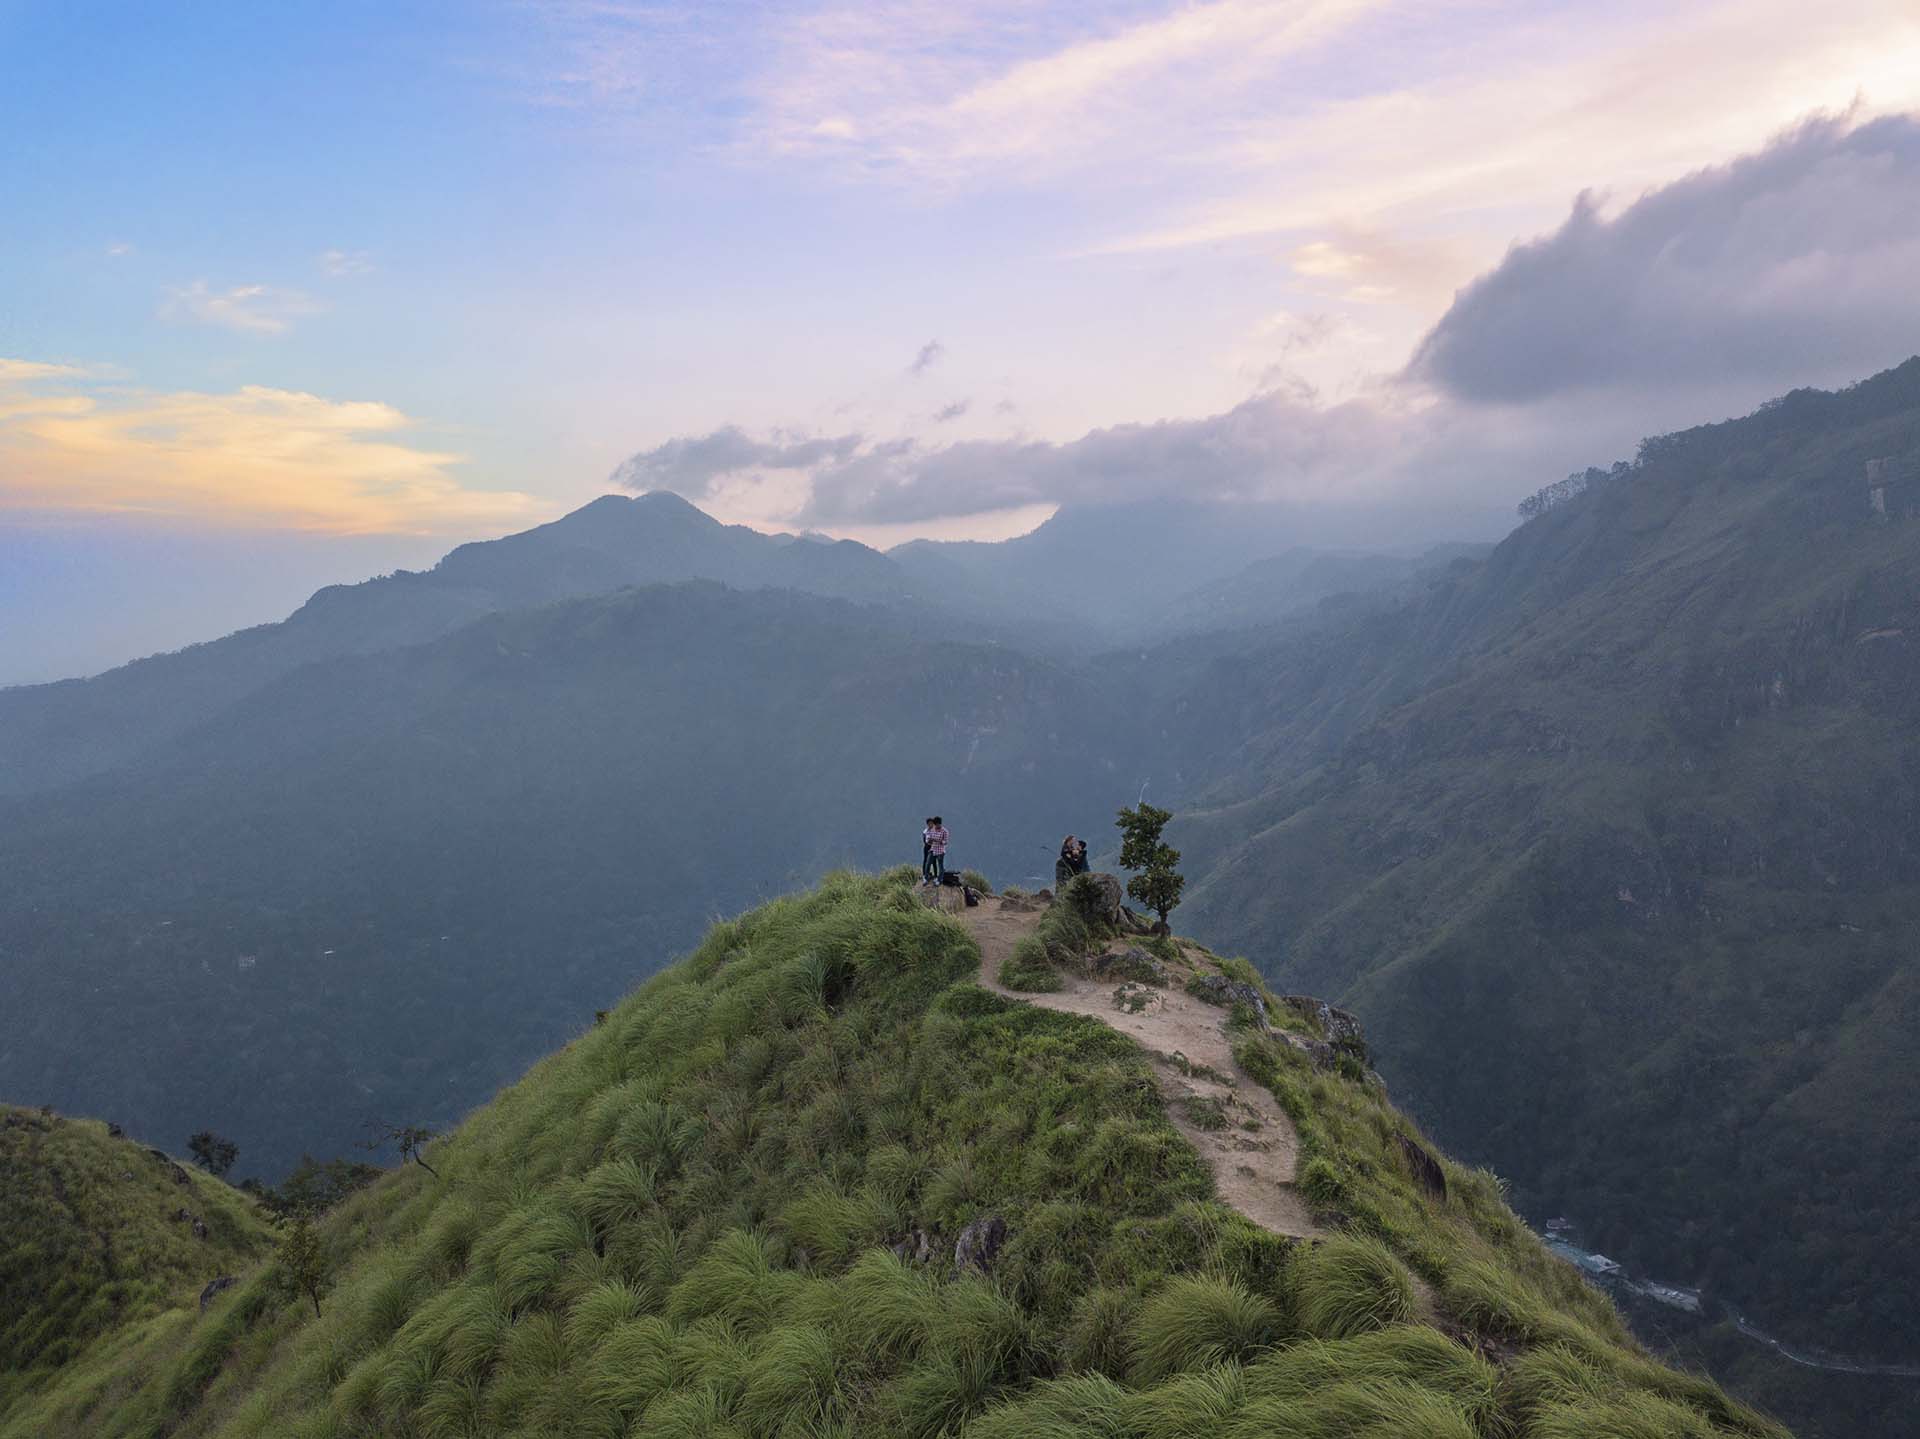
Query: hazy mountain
[
  {"x": 1064, "y": 571},
  {"x": 1629, "y": 813},
  {"x": 380, "y": 883},
  {"x": 51, "y": 734},
  {"x": 1280, "y": 586}
]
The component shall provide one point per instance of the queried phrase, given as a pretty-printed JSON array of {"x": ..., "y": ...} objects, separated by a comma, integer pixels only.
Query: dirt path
[{"x": 1235, "y": 1124}]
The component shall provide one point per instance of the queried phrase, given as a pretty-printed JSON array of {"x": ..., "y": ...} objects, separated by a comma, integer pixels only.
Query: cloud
[
  {"x": 940, "y": 95},
  {"x": 1799, "y": 263},
  {"x": 252, "y": 456},
  {"x": 18, "y": 372},
  {"x": 690, "y": 466},
  {"x": 1275, "y": 448},
  {"x": 118, "y": 249},
  {"x": 930, "y": 355},
  {"x": 951, "y": 412},
  {"x": 1511, "y": 117},
  {"x": 340, "y": 264},
  {"x": 249, "y": 309}
]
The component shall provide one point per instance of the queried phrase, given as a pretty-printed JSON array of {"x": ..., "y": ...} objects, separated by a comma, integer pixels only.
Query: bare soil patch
[{"x": 1238, "y": 1126}]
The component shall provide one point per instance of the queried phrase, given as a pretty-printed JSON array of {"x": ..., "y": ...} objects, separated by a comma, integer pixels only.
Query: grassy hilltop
[{"x": 732, "y": 1206}]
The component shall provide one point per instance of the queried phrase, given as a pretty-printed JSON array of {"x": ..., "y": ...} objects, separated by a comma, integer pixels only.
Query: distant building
[
  {"x": 1893, "y": 486},
  {"x": 1676, "y": 1295}
]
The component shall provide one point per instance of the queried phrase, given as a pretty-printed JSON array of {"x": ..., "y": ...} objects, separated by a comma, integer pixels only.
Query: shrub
[
  {"x": 884, "y": 1308},
  {"x": 1081, "y": 897},
  {"x": 1348, "y": 1285},
  {"x": 1194, "y": 1406},
  {"x": 1089, "y": 1404},
  {"x": 1193, "y": 1323},
  {"x": 973, "y": 879},
  {"x": 792, "y": 1385},
  {"x": 1554, "y": 1375},
  {"x": 1099, "y": 1337},
  {"x": 1626, "y": 1416},
  {"x": 1028, "y": 968}
]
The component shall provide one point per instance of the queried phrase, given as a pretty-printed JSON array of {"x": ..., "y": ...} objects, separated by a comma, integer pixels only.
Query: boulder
[
  {"x": 1341, "y": 1029},
  {"x": 215, "y": 1288},
  {"x": 1133, "y": 963},
  {"x": 979, "y": 1245},
  {"x": 916, "y": 1247},
  {"x": 1218, "y": 989},
  {"x": 1426, "y": 1170},
  {"x": 192, "y": 1221},
  {"x": 1099, "y": 899}
]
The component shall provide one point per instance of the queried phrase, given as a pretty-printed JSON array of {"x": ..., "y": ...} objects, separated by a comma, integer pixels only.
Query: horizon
[{"x": 301, "y": 298}]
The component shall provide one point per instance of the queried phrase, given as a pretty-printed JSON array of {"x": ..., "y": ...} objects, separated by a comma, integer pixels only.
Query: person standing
[
  {"x": 936, "y": 851},
  {"x": 926, "y": 852}
]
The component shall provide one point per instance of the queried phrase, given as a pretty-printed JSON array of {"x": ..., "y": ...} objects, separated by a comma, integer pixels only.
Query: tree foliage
[
  {"x": 1158, "y": 883},
  {"x": 303, "y": 1260},
  {"x": 214, "y": 1153},
  {"x": 410, "y": 1139}
]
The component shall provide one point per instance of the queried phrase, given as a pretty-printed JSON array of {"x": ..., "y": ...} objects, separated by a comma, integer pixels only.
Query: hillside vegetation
[
  {"x": 1630, "y": 813},
  {"x": 813, "y": 1181},
  {"x": 105, "y": 1242}
]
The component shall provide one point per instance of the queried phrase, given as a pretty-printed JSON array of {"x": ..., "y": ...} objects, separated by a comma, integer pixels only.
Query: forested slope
[
  {"x": 1630, "y": 813},
  {"x": 377, "y": 887}
]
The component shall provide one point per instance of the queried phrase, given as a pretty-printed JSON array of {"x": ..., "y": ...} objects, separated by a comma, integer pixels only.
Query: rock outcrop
[
  {"x": 1218, "y": 989},
  {"x": 979, "y": 1245}
]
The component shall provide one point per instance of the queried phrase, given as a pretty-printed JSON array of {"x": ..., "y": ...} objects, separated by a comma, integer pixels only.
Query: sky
[{"x": 295, "y": 294}]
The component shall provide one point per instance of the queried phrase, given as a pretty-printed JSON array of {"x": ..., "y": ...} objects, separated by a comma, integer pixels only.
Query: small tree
[
  {"x": 303, "y": 1259},
  {"x": 1158, "y": 884},
  {"x": 212, "y": 1152},
  {"x": 409, "y": 1139}
]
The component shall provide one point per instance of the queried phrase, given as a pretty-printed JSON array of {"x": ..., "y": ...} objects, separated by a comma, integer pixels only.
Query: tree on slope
[
  {"x": 214, "y": 1153},
  {"x": 1158, "y": 883},
  {"x": 303, "y": 1260}
]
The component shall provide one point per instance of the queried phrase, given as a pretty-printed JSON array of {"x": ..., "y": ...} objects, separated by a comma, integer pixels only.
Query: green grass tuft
[
  {"x": 1348, "y": 1285},
  {"x": 1029, "y": 969},
  {"x": 1195, "y": 1323}
]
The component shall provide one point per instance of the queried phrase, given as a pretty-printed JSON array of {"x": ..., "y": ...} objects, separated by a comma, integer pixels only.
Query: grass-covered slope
[
  {"x": 102, "y": 1237},
  {"x": 734, "y": 1209}
]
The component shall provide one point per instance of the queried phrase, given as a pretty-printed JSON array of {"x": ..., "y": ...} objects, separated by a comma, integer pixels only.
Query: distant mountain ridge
[
  {"x": 1045, "y": 591},
  {"x": 57, "y": 733}
]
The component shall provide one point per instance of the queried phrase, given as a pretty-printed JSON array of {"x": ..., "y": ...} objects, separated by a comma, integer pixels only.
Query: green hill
[
  {"x": 107, "y": 1243},
  {"x": 815, "y": 1181}
]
